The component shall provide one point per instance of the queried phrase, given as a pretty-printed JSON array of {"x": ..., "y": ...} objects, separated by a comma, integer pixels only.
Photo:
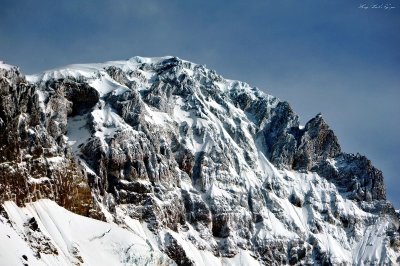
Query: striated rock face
[
  {"x": 35, "y": 160},
  {"x": 216, "y": 170}
]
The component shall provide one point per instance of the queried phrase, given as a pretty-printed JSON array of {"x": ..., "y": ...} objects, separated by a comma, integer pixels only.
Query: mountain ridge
[{"x": 174, "y": 144}]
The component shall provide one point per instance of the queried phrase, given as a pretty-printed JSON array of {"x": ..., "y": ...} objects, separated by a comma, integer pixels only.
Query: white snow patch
[
  {"x": 78, "y": 132},
  {"x": 5, "y": 66},
  {"x": 105, "y": 85}
]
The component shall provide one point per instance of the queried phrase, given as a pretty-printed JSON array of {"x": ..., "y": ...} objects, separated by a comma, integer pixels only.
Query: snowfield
[{"x": 74, "y": 239}]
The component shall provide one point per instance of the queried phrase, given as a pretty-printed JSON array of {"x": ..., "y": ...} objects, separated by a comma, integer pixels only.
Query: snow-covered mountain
[{"x": 181, "y": 166}]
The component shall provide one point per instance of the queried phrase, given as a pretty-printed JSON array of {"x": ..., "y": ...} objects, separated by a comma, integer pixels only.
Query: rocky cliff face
[
  {"x": 204, "y": 162},
  {"x": 35, "y": 161}
]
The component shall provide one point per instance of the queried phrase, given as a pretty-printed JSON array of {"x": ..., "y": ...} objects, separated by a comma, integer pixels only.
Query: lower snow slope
[
  {"x": 56, "y": 236},
  {"x": 43, "y": 233}
]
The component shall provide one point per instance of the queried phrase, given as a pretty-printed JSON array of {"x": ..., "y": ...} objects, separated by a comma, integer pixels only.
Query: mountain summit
[{"x": 173, "y": 164}]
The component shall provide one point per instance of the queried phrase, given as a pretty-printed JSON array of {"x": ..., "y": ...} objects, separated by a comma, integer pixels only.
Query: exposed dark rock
[
  {"x": 176, "y": 252},
  {"x": 356, "y": 175}
]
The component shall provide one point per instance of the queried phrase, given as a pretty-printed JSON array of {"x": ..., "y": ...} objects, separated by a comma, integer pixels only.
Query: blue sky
[{"x": 319, "y": 55}]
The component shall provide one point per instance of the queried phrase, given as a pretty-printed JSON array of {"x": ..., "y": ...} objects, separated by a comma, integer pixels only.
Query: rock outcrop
[{"x": 35, "y": 160}]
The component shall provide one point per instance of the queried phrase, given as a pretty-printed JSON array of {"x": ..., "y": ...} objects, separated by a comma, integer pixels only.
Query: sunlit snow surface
[
  {"x": 5, "y": 66},
  {"x": 74, "y": 236}
]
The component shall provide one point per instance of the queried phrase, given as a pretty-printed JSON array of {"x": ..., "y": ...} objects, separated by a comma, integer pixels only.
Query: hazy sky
[{"x": 320, "y": 55}]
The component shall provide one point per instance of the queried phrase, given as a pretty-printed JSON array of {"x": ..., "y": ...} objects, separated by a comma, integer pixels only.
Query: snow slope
[
  {"x": 77, "y": 240},
  {"x": 74, "y": 239},
  {"x": 5, "y": 66}
]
